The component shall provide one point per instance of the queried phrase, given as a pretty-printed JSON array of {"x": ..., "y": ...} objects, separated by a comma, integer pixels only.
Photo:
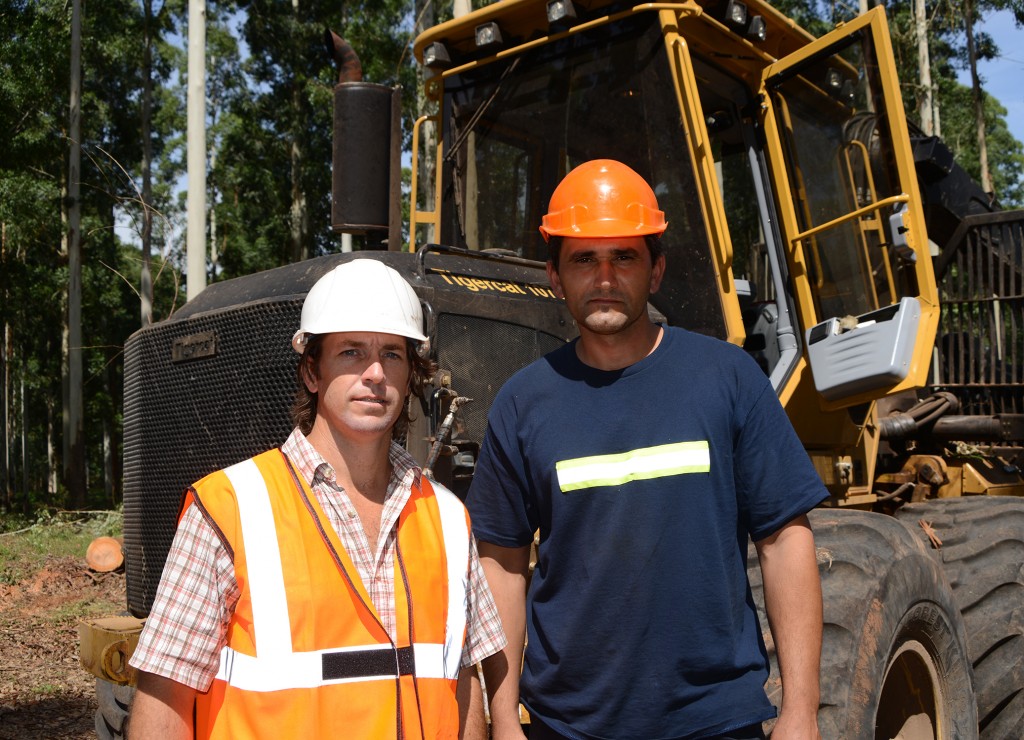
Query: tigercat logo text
[
  {"x": 194, "y": 346},
  {"x": 479, "y": 285}
]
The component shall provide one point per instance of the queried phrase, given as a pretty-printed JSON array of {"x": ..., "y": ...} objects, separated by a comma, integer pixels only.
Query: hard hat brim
[{"x": 606, "y": 228}]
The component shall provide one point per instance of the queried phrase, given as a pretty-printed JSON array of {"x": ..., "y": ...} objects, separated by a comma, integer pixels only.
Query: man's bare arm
[
  {"x": 162, "y": 708},
  {"x": 472, "y": 723},
  {"x": 506, "y": 569},
  {"x": 792, "y": 597}
]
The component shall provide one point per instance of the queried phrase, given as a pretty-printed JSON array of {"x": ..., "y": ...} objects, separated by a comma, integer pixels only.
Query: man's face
[
  {"x": 362, "y": 383},
  {"x": 606, "y": 282}
]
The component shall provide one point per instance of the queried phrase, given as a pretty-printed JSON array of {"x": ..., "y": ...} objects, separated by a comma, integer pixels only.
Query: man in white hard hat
[{"x": 325, "y": 588}]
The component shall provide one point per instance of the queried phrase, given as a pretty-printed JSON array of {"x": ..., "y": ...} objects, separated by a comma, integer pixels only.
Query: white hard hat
[{"x": 361, "y": 295}]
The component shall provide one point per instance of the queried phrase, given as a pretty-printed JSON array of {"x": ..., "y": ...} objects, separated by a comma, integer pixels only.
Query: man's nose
[
  {"x": 374, "y": 372},
  {"x": 605, "y": 274}
]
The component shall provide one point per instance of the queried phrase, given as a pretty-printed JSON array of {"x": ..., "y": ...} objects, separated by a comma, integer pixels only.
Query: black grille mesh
[
  {"x": 482, "y": 354},
  {"x": 184, "y": 420},
  {"x": 980, "y": 343}
]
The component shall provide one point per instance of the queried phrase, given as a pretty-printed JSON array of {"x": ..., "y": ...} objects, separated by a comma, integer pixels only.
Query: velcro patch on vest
[
  {"x": 661, "y": 461},
  {"x": 367, "y": 663}
]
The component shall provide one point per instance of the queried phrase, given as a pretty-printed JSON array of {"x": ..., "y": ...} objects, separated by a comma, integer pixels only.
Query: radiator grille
[
  {"x": 186, "y": 419},
  {"x": 979, "y": 350}
]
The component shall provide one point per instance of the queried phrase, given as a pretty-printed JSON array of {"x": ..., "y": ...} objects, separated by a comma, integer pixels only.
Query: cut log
[{"x": 104, "y": 555}]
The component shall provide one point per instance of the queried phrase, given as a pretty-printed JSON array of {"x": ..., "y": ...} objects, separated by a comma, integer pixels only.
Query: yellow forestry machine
[{"x": 878, "y": 287}]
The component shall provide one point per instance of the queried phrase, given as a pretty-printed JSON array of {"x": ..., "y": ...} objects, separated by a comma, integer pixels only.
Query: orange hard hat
[{"x": 603, "y": 198}]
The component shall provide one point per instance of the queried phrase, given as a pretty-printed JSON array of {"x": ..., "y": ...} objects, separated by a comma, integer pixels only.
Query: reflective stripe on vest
[{"x": 276, "y": 666}]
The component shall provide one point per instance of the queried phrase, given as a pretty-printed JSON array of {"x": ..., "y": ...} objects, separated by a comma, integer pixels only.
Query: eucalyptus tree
[
  {"x": 34, "y": 85},
  {"x": 273, "y": 149},
  {"x": 33, "y": 118}
]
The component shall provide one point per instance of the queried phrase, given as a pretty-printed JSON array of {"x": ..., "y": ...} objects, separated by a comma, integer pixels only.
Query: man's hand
[
  {"x": 792, "y": 599},
  {"x": 506, "y": 569},
  {"x": 162, "y": 708}
]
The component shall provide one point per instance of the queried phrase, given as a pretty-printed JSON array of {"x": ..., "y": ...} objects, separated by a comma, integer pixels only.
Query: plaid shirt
[{"x": 187, "y": 626}]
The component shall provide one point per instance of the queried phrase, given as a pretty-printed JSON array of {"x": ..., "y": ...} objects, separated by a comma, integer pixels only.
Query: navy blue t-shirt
[{"x": 645, "y": 484}]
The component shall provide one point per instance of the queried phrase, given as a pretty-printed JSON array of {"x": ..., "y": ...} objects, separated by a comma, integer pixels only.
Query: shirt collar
[{"x": 308, "y": 462}]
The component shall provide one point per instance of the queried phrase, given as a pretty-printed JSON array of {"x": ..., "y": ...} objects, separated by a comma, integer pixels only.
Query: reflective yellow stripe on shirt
[{"x": 648, "y": 462}]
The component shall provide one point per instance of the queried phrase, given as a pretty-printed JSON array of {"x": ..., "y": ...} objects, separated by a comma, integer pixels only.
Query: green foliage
[
  {"x": 948, "y": 53},
  {"x": 816, "y": 16},
  {"x": 1005, "y": 153}
]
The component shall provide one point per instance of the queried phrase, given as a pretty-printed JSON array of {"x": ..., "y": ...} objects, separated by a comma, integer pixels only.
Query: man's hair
[
  {"x": 303, "y": 413},
  {"x": 653, "y": 241}
]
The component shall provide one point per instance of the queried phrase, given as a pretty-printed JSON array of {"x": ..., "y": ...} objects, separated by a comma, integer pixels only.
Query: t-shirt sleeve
[
  {"x": 775, "y": 479},
  {"x": 499, "y": 499}
]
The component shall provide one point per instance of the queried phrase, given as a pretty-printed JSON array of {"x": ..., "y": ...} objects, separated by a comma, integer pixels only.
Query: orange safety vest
[{"x": 306, "y": 654}]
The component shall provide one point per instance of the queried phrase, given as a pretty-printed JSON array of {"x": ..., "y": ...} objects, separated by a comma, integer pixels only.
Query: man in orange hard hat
[
  {"x": 646, "y": 456},
  {"x": 325, "y": 588}
]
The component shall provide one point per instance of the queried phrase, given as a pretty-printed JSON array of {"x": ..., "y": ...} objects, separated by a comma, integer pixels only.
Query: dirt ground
[{"x": 43, "y": 691}]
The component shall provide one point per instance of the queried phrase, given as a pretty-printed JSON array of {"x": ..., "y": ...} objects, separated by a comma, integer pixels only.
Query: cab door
[{"x": 843, "y": 171}]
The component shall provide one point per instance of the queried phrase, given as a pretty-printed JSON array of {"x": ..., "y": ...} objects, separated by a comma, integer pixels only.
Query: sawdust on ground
[{"x": 44, "y": 693}]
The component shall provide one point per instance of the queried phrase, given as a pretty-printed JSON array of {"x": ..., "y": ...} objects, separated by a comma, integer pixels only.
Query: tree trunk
[
  {"x": 74, "y": 432},
  {"x": 4, "y": 374},
  {"x": 112, "y": 440},
  {"x": 978, "y": 96},
  {"x": 108, "y": 464},
  {"x": 299, "y": 211},
  {"x": 26, "y": 499},
  {"x": 52, "y": 479},
  {"x": 146, "y": 279},
  {"x": 299, "y": 215},
  {"x": 924, "y": 98},
  {"x": 213, "y": 90},
  {"x": 195, "y": 244}
]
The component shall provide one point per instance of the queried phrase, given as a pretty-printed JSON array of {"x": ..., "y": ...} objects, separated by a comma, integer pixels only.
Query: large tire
[
  {"x": 114, "y": 701},
  {"x": 894, "y": 653},
  {"x": 982, "y": 554}
]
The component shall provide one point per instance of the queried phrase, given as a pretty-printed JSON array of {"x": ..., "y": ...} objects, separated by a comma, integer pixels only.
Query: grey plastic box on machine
[{"x": 877, "y": 352}]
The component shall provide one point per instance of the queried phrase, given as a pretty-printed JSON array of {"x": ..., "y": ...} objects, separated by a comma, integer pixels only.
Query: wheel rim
[{"x": 910, "y": 705}]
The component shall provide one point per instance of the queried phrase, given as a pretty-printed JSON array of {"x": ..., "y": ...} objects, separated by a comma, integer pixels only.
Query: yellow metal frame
[
  {"x": 496, "y": 11},
  {"x": 712, "y": 204},
  {"x": 416, "y": 216},
  {"x": 874, "y": 23},
  {"x": 869, "y": 224}
]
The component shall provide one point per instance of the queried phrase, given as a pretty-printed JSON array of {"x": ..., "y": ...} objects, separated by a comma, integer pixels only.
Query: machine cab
[{"x": 781, "y": 162}]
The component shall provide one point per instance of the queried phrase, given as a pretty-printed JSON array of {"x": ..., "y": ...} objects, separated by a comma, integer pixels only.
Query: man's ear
[
  {"x": 309, "y": 374},
  {"x": 556, "y": 284},
  {"x": 657, "y": 273}
]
